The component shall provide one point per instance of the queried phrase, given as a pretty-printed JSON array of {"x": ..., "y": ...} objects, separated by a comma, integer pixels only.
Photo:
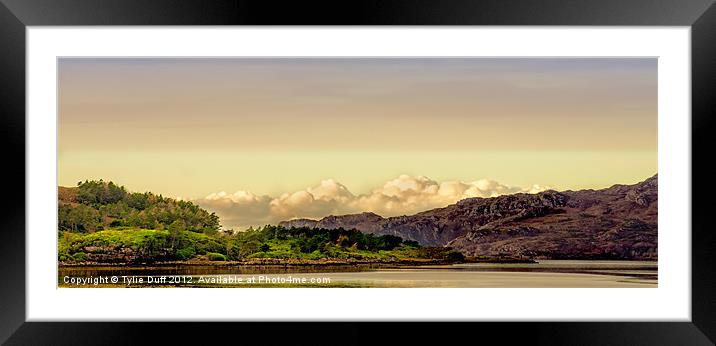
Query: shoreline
[
  {"x": 275, "y": 262},
  {"x": 322, "y": 262},
  {"x": 264, "y": 262},
  {"x": 292, "y": 262}
]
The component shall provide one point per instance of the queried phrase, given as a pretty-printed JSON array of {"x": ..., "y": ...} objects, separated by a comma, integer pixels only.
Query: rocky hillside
[{"x": 619, "y": 222}]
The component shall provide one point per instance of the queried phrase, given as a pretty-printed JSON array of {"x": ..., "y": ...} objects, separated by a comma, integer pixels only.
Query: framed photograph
[{"x": 538, "y": 166}]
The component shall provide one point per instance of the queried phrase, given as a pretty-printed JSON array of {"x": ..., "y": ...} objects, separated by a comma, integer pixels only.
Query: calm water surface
[{"x": 549, "y": 273}]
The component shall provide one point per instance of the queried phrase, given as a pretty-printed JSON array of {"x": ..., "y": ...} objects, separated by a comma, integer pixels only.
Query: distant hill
[
  {"x": 97, "y": 205},
  {"x": 619, "y": 222}
]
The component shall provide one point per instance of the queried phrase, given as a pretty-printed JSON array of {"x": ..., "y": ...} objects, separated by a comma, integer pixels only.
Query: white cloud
[{"x": 403, "y": 195}]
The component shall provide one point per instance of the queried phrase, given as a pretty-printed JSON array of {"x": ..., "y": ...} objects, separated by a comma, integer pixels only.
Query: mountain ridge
[{"x": 617, "y": 222}]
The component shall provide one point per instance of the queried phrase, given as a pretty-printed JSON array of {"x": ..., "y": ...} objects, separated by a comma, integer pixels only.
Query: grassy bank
[{"x": 265, "y": 246}]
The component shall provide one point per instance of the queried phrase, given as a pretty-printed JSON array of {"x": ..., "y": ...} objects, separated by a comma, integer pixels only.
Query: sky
[{"x": 259, "y": 140}]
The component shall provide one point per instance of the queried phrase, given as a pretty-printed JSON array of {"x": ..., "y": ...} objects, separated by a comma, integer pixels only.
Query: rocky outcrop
[
  {"x": 365, "y": 222},
  {"x": 619, "y": 222}
]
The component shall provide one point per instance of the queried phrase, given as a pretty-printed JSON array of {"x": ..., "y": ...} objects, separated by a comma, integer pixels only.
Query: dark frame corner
[{"x": 15, "y": 15}]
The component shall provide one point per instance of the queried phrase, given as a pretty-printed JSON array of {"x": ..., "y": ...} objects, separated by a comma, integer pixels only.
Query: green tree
[
  {"x": 79, "y": 218},
  {"x": 175, "y": 229}
]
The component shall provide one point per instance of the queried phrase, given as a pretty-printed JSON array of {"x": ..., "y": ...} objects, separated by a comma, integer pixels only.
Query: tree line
[{"x": 99, "y": 205}]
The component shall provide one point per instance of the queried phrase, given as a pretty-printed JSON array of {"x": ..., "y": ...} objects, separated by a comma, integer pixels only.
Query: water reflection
[{"x": 552, "y": 273}]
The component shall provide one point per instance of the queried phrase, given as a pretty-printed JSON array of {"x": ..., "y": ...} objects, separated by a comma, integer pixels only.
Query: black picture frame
[{"x": 16, "y": 15}]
